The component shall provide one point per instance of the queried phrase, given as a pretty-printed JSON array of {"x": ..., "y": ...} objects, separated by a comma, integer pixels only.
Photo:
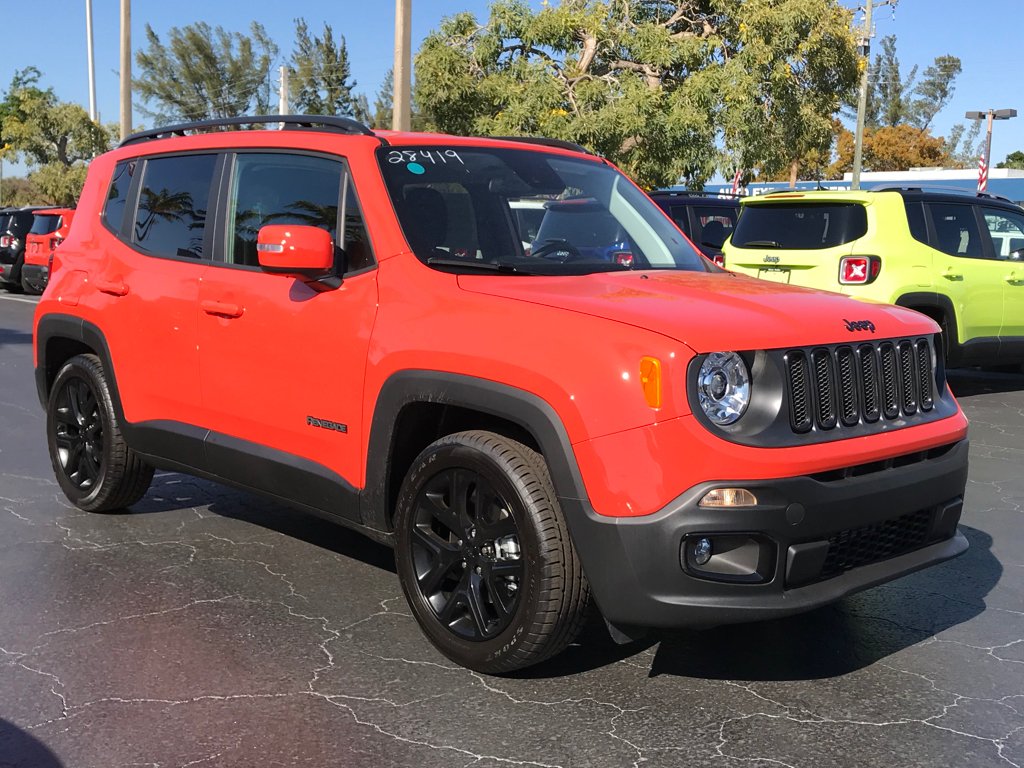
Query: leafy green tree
[
  {"x": 935, "y": 90},
  {"x": 204, "y": 72},
  {"x": 652, "y": 85},
  {"x": 55, "y": 137},
  {"x": 383, "y": 102},
  {"x": 320, "y": 76},
  {"x": 20, "y": 191},
  {"x": 1013, "y": 160},
  {"x": 964, "y": 145}
]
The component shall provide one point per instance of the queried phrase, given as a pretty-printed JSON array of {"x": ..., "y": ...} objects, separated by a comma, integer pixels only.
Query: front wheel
[
  {"x": 94, "y": 466},
  {"x": 484, "y": 556}
]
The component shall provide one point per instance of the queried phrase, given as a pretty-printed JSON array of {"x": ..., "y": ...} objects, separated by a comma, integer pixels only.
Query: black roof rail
[
  {"x": 936, "y": 188},
  {"x": 294, "y": 122},
  {"x": 545, "y": 142},
  {"x": 694, "y": 193}
]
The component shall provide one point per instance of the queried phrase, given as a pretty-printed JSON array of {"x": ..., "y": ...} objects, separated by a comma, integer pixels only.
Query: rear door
[
  {"x": 282, "y": 363},
  {"x": 786, "y": 241},
  {"x": 146, "y": 282}
]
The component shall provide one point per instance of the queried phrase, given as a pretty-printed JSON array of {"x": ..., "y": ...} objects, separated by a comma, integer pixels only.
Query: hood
[{"x": 712, "y": 311}]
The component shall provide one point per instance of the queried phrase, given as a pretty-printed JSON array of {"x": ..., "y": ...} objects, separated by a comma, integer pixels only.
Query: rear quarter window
[
  {"x": 117, "y": 195},
  {"x": 916, "y": 221},
  {"x": 800, "y": 226}
]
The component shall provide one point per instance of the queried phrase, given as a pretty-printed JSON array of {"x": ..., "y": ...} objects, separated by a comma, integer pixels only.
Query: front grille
[
  {"x": 845, "y": 386},
  {"x": 855, "y": 547}
]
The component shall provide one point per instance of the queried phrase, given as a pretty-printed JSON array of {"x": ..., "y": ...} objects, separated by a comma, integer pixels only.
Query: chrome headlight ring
[{"x": 723, "y": 387}]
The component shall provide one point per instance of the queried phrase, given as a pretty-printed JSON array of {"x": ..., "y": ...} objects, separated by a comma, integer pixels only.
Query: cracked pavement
[{"x": 207, "y": 627}]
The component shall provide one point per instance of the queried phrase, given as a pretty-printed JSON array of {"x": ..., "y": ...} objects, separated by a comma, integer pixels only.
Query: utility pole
[
  {"x": 91, "y": 60},
  {"x": 282, "y": 97},
  {"x": 126, "y": 68},
  {"x": 864, "y": 49},
  {"x": 400, "y": 117}
]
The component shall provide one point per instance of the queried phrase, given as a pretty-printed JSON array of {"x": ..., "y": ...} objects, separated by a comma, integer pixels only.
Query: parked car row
[{"x": 28, "y": 238}]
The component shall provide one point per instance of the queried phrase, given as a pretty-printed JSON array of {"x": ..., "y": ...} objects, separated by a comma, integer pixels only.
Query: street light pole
[
  {"x": 992, "y": 114},
  {"x": 91, "y": 61},
  {"x": 126, "y": 68},
  {"x": 400, "y": 117}
]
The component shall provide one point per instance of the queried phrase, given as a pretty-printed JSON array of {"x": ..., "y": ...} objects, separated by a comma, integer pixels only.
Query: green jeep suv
[{"x": 958, "y": 258}]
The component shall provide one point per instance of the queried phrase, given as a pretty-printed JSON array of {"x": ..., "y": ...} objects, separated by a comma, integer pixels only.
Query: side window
[
  {"x": 716, "y": 225},
  {"x": 358, "y": 254},
  {"x": 1006, "y": 229},
  {"x": 117, "y": 197},
  {"x": 280, "y": 189},
  {"x": 915, "y": 219},
  {"x": 171, "y": 217},
  {"x": 956, "y": 230},
  {"x": 681, "y": 219}
]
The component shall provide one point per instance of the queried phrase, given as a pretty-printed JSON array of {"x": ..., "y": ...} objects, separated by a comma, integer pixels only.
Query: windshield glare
[{"x": 528, "y": 212}]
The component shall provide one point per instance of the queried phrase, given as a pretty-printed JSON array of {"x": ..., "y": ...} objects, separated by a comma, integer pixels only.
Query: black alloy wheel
[
  {"x": 466, "y": 553},
  {"x": 93, "y": 463},
  {"x": 484, "y": 555},
  {"x": 79, "y": 433}
]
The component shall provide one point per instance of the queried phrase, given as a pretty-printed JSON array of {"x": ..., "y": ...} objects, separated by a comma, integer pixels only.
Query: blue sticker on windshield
[{"x": 416, "y": 168}]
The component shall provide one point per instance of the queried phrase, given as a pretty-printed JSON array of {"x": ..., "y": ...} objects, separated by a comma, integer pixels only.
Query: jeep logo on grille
[
  {"x": 859, "y": 325},
  {"x": 772, "y": 259}
]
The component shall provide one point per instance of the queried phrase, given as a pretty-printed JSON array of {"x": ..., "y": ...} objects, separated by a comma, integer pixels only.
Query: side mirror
[
  {"x": 293, "y": 249},
  {"x": 299, "y": 251}
]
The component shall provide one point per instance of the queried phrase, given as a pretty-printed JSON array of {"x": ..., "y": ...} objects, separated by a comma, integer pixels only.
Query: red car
[
  {"x": 49, "y": 229},
  {"x": 349, "y": 322}
]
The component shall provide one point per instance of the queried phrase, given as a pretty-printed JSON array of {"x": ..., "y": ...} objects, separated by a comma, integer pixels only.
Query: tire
[
  {"x": 468, "y": 503},
  {"x": 94, "y": 466},
  {"x": 14, "y": 284}
]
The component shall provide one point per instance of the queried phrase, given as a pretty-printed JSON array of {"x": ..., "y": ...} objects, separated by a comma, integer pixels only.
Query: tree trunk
[{"x": 794, "y": 170}]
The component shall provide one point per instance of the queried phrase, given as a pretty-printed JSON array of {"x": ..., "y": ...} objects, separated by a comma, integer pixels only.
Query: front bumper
[{"x": 810, "y": 541}]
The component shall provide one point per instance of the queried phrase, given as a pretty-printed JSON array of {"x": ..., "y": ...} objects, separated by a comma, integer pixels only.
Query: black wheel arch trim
[
  {"x": 527, "y": 410},
  {"x": 57, "y": 325},
  {"x": 934, "y": 300}
]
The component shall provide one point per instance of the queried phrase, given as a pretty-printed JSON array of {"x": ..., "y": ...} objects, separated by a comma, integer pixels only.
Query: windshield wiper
[
  {"x": 761, "y": 244},
  {"x": 483, "y": 266}
]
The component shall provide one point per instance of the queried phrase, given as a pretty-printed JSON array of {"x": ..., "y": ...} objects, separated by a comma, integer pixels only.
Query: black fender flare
[
  {"x": 523, "y": 408},
  {"x": 56, "y": 325},
  {"x": 938, "y": 301}
]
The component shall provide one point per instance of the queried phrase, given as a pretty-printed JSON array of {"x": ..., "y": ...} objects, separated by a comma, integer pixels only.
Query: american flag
[
  {"x": 982, "y": 174},
  {"x": 736, "y": 181}
]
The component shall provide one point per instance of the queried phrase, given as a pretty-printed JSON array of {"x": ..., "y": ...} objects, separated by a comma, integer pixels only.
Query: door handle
[
  {"x": 112, "y": 287},
  {"x": 949, "y": 274},
  {"x": 222, "y": 309},
  {"x": 1012, "y": 278}
]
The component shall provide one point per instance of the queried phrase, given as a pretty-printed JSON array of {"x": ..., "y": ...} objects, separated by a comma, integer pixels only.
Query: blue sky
[{"x": 987, "y": 40}]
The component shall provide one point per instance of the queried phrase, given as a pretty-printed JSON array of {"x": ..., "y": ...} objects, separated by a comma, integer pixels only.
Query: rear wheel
[
  {"x": 94, "y": 466},
  {"x": 484, "y": 556},
  {"x": 26, "y": 286}
]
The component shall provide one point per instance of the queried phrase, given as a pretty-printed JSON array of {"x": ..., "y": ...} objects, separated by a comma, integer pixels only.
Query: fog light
[
  {"x": 702, "y": 551},
  {"x": 728, "y": 497}
]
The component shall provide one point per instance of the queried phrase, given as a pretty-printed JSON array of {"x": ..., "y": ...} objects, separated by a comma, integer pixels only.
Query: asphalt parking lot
[{"x": 208, "y": 627}]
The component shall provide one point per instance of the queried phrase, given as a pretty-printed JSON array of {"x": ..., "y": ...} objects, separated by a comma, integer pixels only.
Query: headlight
[{"x": 723, "y": 387}]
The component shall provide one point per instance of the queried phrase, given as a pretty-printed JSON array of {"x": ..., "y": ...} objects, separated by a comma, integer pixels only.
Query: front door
[
  {"x": 1006, "y": 230},
  {"x": 281, "y": 362}
]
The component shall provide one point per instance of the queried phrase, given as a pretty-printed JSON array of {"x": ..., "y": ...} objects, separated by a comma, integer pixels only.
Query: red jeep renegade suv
[{"x": 353, "y": 323}]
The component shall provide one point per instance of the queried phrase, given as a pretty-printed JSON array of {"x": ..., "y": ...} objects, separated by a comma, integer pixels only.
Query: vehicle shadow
[
  {"x": 166, "y": 495},
  {"x": 19, "y": 749},
  {"x": 9, "y": 336},
  {"x": 835, "y": 640},
  {"x": 968, "y": 382}
]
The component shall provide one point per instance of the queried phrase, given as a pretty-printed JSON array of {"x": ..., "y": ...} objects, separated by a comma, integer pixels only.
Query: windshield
[
  {"x": 44, "y": 224},
  {"x": 800, "y": 226},
  {"x": 479, "y": 209}
]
